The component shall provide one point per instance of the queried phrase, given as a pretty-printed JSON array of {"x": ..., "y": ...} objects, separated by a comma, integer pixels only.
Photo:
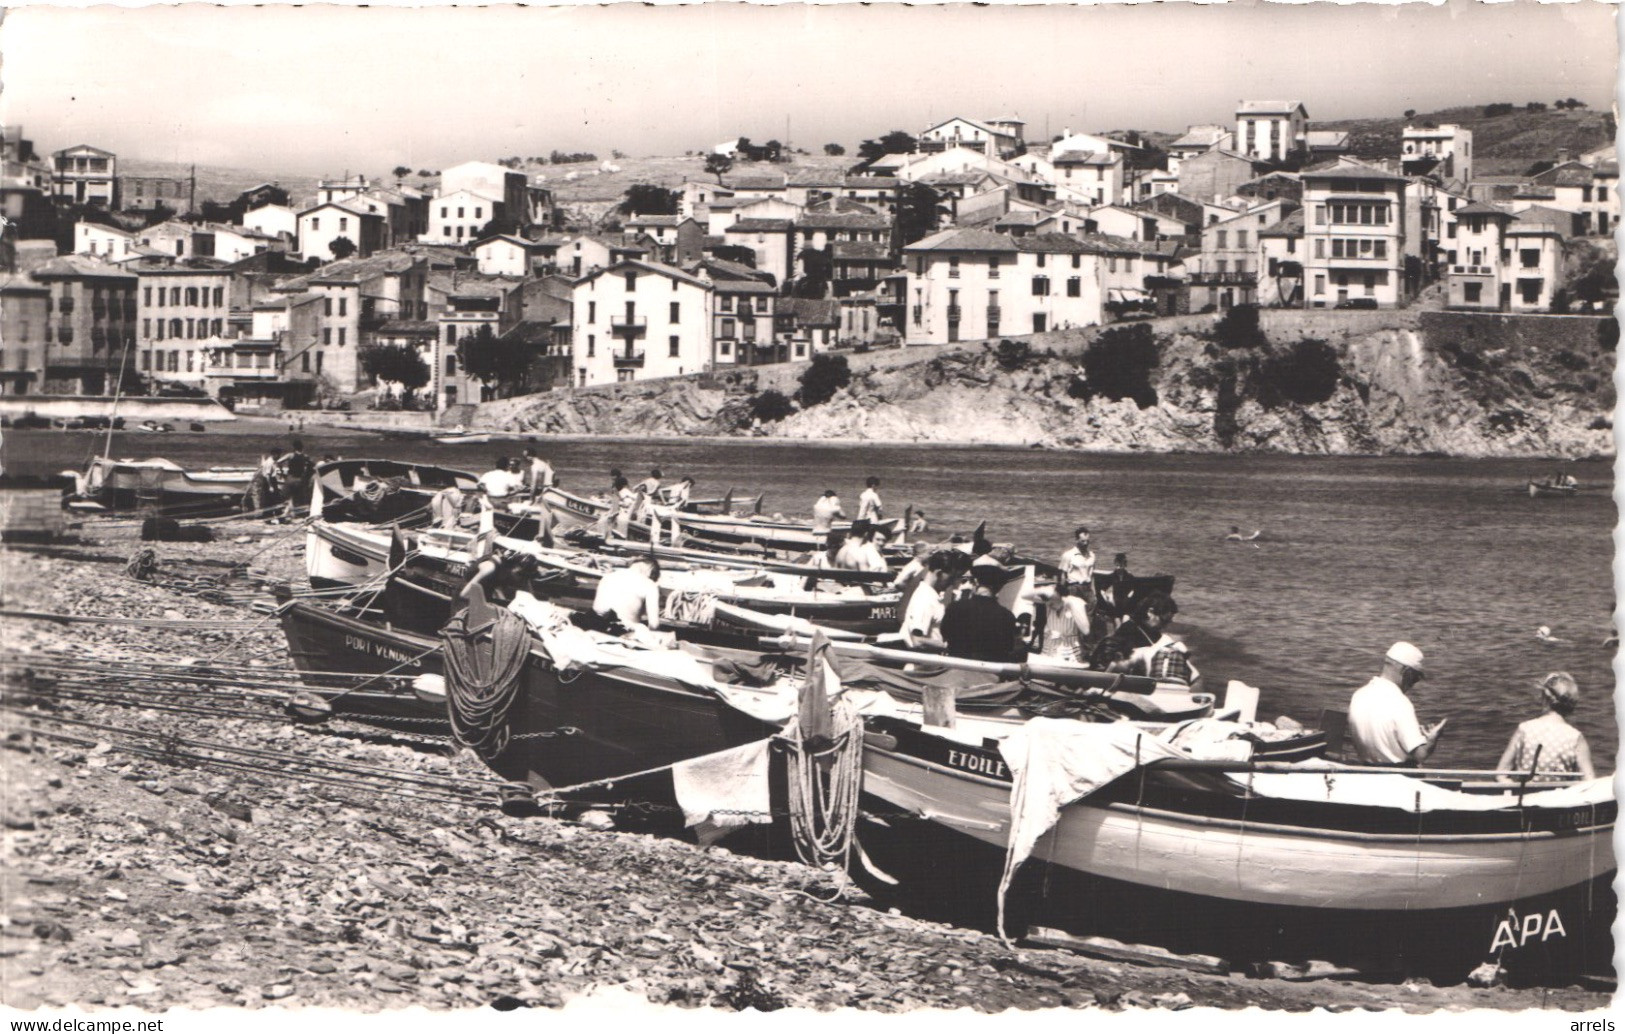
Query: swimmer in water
[
  {"x": 1236, "y": 535},
  {"x": 1544, "y": 634}
]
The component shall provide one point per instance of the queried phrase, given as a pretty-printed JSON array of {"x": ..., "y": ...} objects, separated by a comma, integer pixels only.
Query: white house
[
  {"x": 460, "y": 216},
  {"x": 320, "y": 226},
  {"x": 1198, "y": 140},
  {"x": 1445, "y": 151},
  {"x": 1088, "y": 177},
  {"x": 1354, "y": 233},
  {"x": 965, "y": 285},
  {"x": 1135, "y": 224},
  {"x": 640, "y": 320},
  {"x": 1226, "y": 271},
  {"x": 1270, "y": 130},
  {"x": 273, "y": 220},
  {"x": 508, "y": 255},
  {"x": 109, "y": 242},
  {"x": 1591, "y": 192},
  {"x": 994, "y": 137},
  {"x": 508, "y": 187},
  {"x": 1508, "y": 262}
]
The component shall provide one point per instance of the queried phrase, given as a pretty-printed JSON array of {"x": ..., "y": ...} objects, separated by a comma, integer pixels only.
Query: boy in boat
[
  {"x": 538, "y": 473},
  {"x": 499, "y": 483},
  {"x": 629, "y": 598},
  {"x": 651, "y": 484},
  {"x": 825, "y": 510},
  {"x": 869, "y": 508},
  {"x": 1382, "y": 720},
  {"x": 980, "y": 628},
  {"x": 922, "y": 618},
  {"x": 913, "y": 572}
]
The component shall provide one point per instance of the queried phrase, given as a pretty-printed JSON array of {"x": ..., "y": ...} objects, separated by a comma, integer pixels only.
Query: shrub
[
  {"x": 1306, "y": 375},
  {"x": 1119, "y": 364},
  {"x": 1239, "y": 329},
  {"x": 770, "y": 406},
  {"x": 1013, "y": 355},
  {"x": 1560, "y": 302},
  {"x": 826, "y": 375},
  {"x": 1608, "y": 334}
]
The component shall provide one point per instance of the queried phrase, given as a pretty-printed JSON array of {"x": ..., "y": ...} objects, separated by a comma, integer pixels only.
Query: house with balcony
[
  {"x": 24, "y": 324},
  {"x": 994, "y": 137},
  {"x": 1354, "y": 234},
  {"x": 86, "y": 175},
  {"x": 1270, "y": 131},
  {"x": 1226, "y": 271},
  {"x": 320, "y": 226},
  {"x": 1507, "y": 261},
  {"x": 744, "y": 306},
  {"x": 1589, "y": 191},
  {"x": 1445, "y": 152},
  {"x": 640, "y": 320},
  {"x": 271, "y": 363},
  {"x": 462, "y": 304},
  {"x": 91, "y": 321},
  {"x": 185, "y": 317}
]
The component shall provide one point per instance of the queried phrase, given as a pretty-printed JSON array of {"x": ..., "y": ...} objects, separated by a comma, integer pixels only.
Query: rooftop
[
  {"x": 760, "y": 226},
  {"x": 82, "y": 266},
  {"x": 1268, "y": 107}
]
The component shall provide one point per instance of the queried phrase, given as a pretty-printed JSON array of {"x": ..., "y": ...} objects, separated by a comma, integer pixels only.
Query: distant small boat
[
  {"x": 1551, "y": 487},
  {"x": 480, "y": 437}
]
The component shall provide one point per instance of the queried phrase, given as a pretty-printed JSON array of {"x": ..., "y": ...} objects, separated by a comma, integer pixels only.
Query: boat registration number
[
  {"x": 376, "y": 649},
  {"x": 1515, "y": 931},
  {"x": 883, "y": 613}
]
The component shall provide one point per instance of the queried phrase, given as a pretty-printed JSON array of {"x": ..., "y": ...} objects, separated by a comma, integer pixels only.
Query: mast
[{"x": 118, "y": 393}]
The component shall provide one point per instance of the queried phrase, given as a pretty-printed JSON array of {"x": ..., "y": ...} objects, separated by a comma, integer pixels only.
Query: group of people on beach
[{"x": 286, "y": 477}]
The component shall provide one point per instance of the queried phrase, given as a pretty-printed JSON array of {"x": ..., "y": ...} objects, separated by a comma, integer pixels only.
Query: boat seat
[{"x": 1335, "y": 724}]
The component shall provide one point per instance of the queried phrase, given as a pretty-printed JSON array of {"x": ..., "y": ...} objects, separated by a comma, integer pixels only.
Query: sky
[{"x": 322, "y": 89}]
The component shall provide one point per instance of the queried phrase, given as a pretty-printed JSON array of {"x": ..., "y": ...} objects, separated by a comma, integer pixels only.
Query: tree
[
  {"x": 770, "y": 407},
  {"x": 1119, "y": 364},
  {"x": 817, "y": 269},
  {"x": 895, "y": 142},
  {"x": 1410, "y": 112},
  {"x": 717, "y": 164},
  {"x": 737, "y": 253},
  {"x": 834, "y": 150},
  {"x": 1534, "y": 106},
  {"x": 650, "y": 199},
  {"x": 342, "y": 247},
  {"x": 402, "y": 171},
  {"x": 826, "y": 375},
  {"x": 505, "y": 224},
  {"x": 396, "y": 364},
  {"x": 917, "y": 213},
  {"x": 772, "y": 151},
  {"x": 492, "y": 359},
  {"x": 1239, "y": 329},
  {"x": 425, "y": 173}
]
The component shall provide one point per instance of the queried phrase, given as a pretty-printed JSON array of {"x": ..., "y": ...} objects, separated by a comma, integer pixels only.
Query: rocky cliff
[{"x": 1313, "y": 383}]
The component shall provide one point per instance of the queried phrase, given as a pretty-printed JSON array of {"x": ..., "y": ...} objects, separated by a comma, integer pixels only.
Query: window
[
  {"x": 327, "y": 306},
  {"x": 632, "y": 281},
  {"x": 327, "y": 335},
  {"x": 1221, "y": 265},
  {"x": 304, "y": 362},
  {"x": 443, "y": 214},
  {"x": 1320, "y": 215},
  {"x": 146, "y": 359},
  {"x": 675, "y": 310},
  {"x": 727, "y": 303},
  {"x": 1320, "y": 247},
  {"x": 1040, "y": 286},
  {"x": 175, "y": 328},
  {"x": 451, "y": 365},
  {"x": 1074, "y": 287},
  {"x": 344, "y": 306},
  {"x": 1602, "y": 193},
  {"x": 1223, "y": 239},
  {"x": 341, "y": 336},
  {"x": 146, "y": 296},
  {"x": 459, "y": 213},
  {"x": 1241, "y": 238},
  {"x": 592, "y": 345},
  {"x": 315, "y": 223},
  {"x": 953, "y": 266},
  {"x": 318, "y": 362},
  {"x": 219, "y": 297},
  {"x": 592, "y": 312},
  {"x": 160, "y": 335},
  {"x": 1291, "y": 245},
  {"x": 1529, "y": 258},
  {"x": 1040, "y": 322},
  {"x": 477, "y": 211},
  {"x": 992, "y": 267},
  {"x": 1041, "y": 257},
  {"x": 673, "y": 343},
  {"x": 1320, "y": 283},
  {"x": 728, "y": 327},
  {"x": 1077, "y": 261},
  {"x": 146, "y": 328},
  {"x": 726, "y": 349},
  {"x": 1472, "y": 292},
  {"x": 174, "y": 296}
]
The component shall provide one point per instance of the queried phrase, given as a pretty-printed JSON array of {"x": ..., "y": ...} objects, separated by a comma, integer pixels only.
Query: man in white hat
[{"x": 1382, "y": 720}]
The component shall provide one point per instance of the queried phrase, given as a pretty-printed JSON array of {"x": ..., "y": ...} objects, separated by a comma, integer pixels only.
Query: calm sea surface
[{"x": 1356, "y": 553}]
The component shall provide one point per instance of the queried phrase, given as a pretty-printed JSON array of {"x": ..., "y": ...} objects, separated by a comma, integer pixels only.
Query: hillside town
[{"x": 483, "y": 285}]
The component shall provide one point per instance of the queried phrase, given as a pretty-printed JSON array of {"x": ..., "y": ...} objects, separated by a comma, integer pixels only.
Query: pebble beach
[{"x": 139, "y": 879}]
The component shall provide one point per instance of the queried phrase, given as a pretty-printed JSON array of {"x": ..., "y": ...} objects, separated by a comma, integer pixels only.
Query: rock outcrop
[{"x": 1448, "y": 383}]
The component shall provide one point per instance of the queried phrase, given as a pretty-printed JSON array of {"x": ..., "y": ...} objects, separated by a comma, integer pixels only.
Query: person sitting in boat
[
  {"x": 917, "y": 524},
  {"x": 913, "y": 572},
  {"x": 1066, "y": 620},
  {"x": 980, "y": 628},
  {"x": 538, "y": 472},
  {"x": 826, "y": 559},
  {"x": 297, "y": 470},
  {"x": 499, "y": 483},
  {"x": 651, "y": 484},
  {"x": 628, "y": 599},
  {"x": 869, "y": 508},
  {"x": 1382, "y": 721},
  {"x": 1549, "y": 743},
  {"x": 677, "y": 495},
  {"x": 1144, "y": 647},
  {"x": 825, "y": 511},
  {"x": 1114, "y": 604},
  {"x": 922, "y": 617},
  {"x": 502, "y": 576},
  {"x": 861, "y": 552},
  {"x": 446, "y": 506}
]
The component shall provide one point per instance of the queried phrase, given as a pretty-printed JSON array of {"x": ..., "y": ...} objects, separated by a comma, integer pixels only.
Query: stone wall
[
  {"x": 133, "y": 410},
  {"x": 1488, "y": 331},
  {"x": 365, "y": 418}
]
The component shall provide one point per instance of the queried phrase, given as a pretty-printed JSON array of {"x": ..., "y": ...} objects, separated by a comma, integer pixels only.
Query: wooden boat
[
  {"x": 1391, "y": 871},
  {"x": 1552, "y": 488},
  {"x": 373, "y": 491},
  {"x": 437, "y": 566},
  {"x": 715, "y": 530},
  {"x": 172, "y": 489}
]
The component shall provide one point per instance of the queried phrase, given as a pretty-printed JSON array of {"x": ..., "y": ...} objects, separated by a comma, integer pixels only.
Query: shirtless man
[
  {"x": 630, "y": 595},
  {"x": 825, "y": 511}
]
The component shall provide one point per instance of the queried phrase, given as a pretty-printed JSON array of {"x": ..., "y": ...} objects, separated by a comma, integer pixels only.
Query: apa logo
[{"x": 1515, "y": 933}]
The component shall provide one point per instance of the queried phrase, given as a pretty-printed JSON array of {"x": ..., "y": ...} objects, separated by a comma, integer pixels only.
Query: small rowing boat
[
  {"x": 173, "y": 490},
  {"x": 1553, "y": 487}
]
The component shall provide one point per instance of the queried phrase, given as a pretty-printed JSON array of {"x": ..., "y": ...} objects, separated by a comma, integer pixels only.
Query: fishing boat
[
  {"x": 1553, "y": 487},
  {"x": 375, "y": 491},
  {"x": 174, "y": 490},
  {"x": 436, "y": 565},
  {"x": 1394, "y": 872}
]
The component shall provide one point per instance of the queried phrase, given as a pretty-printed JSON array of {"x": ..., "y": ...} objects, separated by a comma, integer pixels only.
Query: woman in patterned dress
[{"x": 1560, "y": 746}]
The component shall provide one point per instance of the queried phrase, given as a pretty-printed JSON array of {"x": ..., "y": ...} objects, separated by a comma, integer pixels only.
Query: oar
[{"x": 1047, "y": 671}]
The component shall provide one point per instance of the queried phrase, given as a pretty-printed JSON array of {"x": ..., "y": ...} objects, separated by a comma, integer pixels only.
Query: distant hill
[
  {"x": 1526, "y": 136},
  {"x": 215, "y": 183}
]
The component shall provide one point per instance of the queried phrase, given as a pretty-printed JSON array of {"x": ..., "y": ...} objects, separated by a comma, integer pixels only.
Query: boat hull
[
  {"x": 128, "y": 485},
  {"x": 1169, "y": 859},
  {"x": 565, "y": 730}
]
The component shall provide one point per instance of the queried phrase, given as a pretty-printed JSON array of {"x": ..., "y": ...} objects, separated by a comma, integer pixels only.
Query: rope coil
[{"x": 483, "y": 679}]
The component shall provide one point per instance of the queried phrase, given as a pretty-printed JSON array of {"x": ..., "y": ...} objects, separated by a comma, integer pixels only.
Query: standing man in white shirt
[
  {"x": 869, "y": 508},
  {"x": 1078, "y": 563},
  {"x": 1382, "y": 720},
  {"x": 499, "y": 483},
  {"x": 538, "y": 472},
  {"x": 922, "y": 617}
]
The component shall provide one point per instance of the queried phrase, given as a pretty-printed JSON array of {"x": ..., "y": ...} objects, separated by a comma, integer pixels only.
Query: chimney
[{"x": 1563, "y": 155}]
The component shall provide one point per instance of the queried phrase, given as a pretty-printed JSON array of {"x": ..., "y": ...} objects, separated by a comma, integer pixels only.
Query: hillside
[{"x": 1522, "y": 136}]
